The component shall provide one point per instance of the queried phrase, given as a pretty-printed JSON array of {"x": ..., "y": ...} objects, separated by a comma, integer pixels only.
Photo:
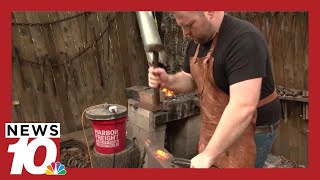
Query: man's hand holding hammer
[{"x": 158, "y": 77}]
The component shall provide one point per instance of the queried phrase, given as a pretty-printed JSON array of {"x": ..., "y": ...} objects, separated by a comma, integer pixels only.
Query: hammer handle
[{"x": 156, "y": 90}]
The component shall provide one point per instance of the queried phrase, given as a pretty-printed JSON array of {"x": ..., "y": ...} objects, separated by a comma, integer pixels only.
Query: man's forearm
[
  {"x": 232, "y": 124},
  {"x": 181, "y": 83}
]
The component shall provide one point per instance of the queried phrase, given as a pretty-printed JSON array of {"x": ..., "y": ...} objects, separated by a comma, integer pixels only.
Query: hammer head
[
  {"x": 162, "y": 59},
  {"x": 149, "y": 33}
]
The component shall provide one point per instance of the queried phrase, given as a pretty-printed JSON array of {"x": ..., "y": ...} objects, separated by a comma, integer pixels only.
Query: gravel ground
[
  {"x": 275, "y": 161},
  {"x": 74, "y": 158}
]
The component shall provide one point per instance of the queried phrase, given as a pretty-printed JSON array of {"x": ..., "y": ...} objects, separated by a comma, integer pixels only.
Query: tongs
[
  {"x": 183, "y": 162},
  {"x": 180, "y": 161}
]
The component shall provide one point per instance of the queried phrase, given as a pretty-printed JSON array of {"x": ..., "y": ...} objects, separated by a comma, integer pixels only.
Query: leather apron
[{"x": 213, "y": 101}]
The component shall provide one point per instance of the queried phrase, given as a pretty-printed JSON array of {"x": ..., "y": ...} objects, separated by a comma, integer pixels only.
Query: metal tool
[
  {"x": 149, "y": 33},
  {"x": 182, "y": 162},
  {"x": 151, "y": 41},
  {"x": 185, "y": 163}
]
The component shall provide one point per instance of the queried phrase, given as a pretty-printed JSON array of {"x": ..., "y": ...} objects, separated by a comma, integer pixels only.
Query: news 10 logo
[{"x": 40, "y": 134}]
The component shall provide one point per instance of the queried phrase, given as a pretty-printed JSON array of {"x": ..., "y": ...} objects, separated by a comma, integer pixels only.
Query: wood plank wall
[{"x": 65, "y": 62}]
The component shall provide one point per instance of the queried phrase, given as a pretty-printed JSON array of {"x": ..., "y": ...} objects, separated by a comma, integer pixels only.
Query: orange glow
[
  {"x": 161, "y": 154},
  {"x": 167, "y": 92}
]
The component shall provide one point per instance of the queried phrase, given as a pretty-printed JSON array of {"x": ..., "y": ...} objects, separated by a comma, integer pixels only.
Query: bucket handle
[
  {"x": 106, "y": 105},
  {"x": 112, "y": 109}
]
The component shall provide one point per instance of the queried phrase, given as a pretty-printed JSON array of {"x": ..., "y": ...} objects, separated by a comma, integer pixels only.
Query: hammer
[{"x": 151, "y": 41}]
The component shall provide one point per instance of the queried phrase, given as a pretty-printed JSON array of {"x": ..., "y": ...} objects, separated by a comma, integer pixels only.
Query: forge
[{"x": 163, "y": 132}]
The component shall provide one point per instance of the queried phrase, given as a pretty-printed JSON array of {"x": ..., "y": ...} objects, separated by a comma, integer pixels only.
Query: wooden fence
[{"x": 65, "y": 62}]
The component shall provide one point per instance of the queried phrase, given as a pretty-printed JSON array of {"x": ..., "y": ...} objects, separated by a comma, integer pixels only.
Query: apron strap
[
  {"x": 196, "y": 54},
  {"x": 268, "y": 99},
  {"x": 214, "y": 40},
  {"x": 213, "y": 44}
]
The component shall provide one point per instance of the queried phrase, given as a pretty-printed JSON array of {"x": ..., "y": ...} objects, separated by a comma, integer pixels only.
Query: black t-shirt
[{"x": 241, "y": 53}]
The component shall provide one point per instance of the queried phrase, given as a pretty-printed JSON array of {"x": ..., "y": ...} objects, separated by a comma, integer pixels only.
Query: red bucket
[{"x": 109, "y": 127}]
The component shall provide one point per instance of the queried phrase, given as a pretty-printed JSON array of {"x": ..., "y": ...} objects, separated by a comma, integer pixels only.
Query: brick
[
  {"x": 133, "y": 92},
  {"x": 147, "y": 97}
]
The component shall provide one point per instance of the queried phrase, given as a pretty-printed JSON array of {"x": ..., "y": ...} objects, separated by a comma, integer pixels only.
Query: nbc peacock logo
[{"x": 56, "y": 169}]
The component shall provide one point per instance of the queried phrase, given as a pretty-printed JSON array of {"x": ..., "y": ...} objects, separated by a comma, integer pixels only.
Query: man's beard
[
  {"x": 202, "y": 40},
  {"x": 207, "y": 39}
]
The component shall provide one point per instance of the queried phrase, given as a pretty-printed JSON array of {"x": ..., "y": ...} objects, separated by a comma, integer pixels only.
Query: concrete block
[
  {"x": 142, "y": 118},
  {"x": 183, "y": 137},
  {"x": 140, "y": 136},
  {"x": 191, "y": 147},
  {"x": 192, "y": 126}
]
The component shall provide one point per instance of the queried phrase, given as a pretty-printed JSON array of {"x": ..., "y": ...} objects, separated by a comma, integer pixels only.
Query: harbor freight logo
[
  {"x": 31, "y": 136},
  {"x": 56, "y": 169}
]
